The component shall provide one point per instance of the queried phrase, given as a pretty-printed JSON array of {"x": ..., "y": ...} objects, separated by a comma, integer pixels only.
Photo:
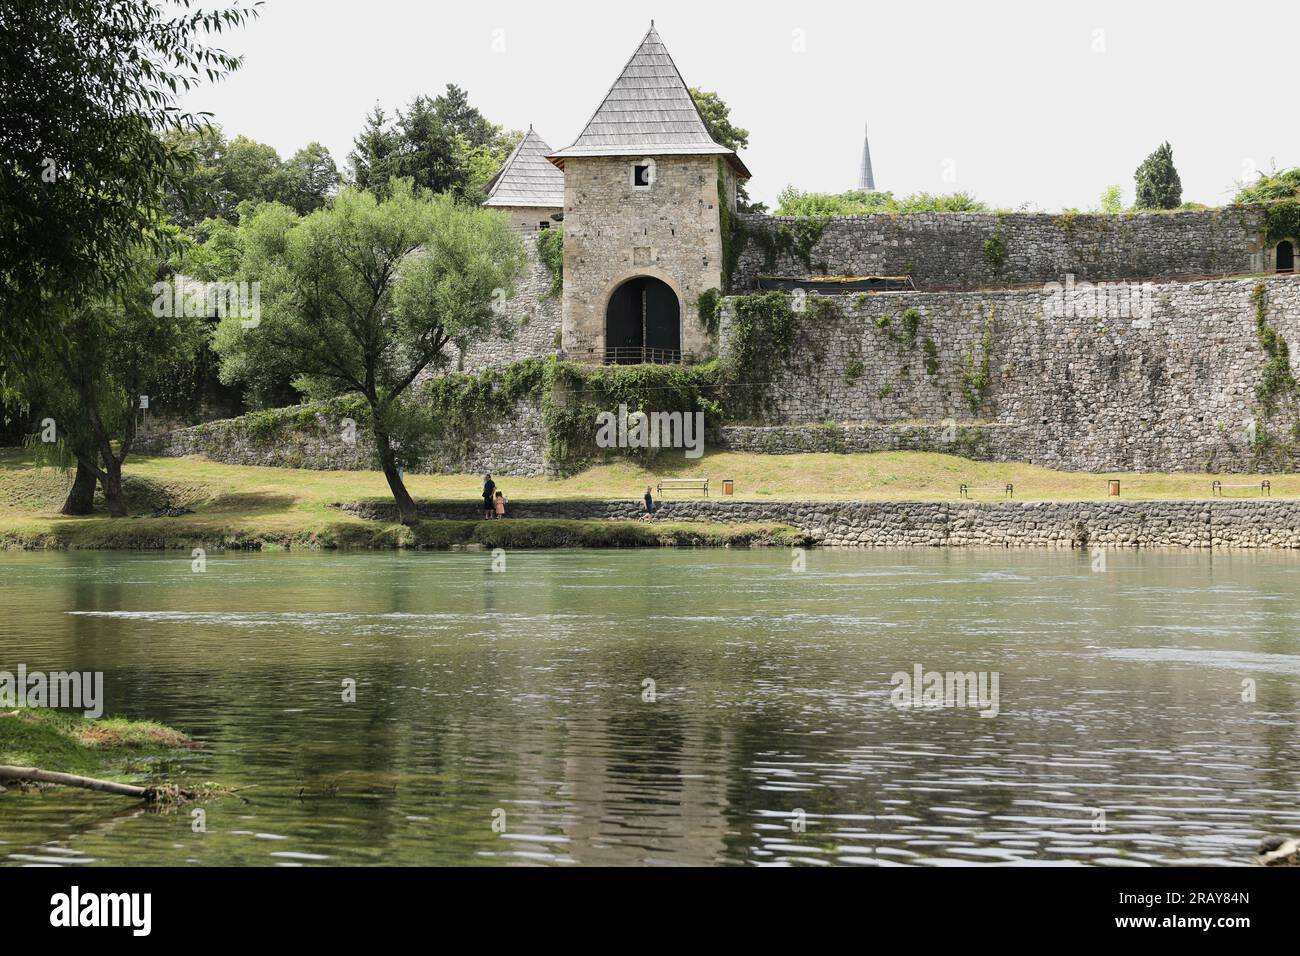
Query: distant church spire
[{"x": 866, "y": 181}]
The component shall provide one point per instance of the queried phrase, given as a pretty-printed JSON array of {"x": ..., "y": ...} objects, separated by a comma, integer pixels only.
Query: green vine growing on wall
[
  {"x": 911, "y": 327},
  {"x": 976, "y": 373},
  {"x": 1277, "y": 380},
  {"x": 1282, "y": 221},
  {"x": 931, "y": 357},
  {"x": 550, "y": 249},
  {"x": 574, "y": 395},
  {"x": 710, "y": 309},
  {"x": 459, "y": 403},
  {"x": 995, "y": 250}
]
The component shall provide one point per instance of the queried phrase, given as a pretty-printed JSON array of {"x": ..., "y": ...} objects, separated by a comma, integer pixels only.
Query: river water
[{"x": 678, "y": 706}]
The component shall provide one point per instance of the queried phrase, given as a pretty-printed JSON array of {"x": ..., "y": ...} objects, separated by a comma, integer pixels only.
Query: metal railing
[{"x": 633, "y": 355}]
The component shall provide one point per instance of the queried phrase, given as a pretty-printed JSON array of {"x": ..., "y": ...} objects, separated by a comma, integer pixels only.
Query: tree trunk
[
  {"x": 72, "y": 780},
  {"x": 406, "y": 511},
  {"x": 112, "y": 484},
  {"x": 81, "y": 496}
]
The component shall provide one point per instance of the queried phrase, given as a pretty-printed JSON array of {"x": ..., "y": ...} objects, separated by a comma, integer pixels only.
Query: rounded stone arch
[{"x": 655, "y": 335}]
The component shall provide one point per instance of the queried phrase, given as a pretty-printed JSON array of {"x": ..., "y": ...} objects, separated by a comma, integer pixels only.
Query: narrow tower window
[{"x": 643, "y": 174}]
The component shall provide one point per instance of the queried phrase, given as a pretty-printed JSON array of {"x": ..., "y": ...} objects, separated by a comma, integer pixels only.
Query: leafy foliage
[
  {"x": 442, "y": 144},
  {"x": 575, "y": 394},
  {"x": 855, "y": 202},
  {"x": 228, "y": 174},
  {"x": 1112, "y": 200},
  {"x": 976, "y": 373},
  {"x": 108, "y": 353},
  {"x": 1272, "y": 187},
  {"x": 717, "y": 120},
  {"x": 550, "y": 249},
  {"x": 364, "y": 296},
  {"x": 88, "y": 85},
  {"x": 1282, "y": 221},
  {"x": 995, "y": 251}
]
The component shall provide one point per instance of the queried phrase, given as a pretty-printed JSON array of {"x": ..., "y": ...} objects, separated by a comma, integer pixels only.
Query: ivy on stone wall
[
  {"x": 710, "y": 309},
  {"x": 550, "y": 249},
  {"x": 573, "y": 395},
  {"x": 730, "y": 229},
  {"x": 461, "y": 403},
  {"x": 1282, "y": 221},
  {"x": 797, "y": 239},
  {"x": 976, "y": 375},
  {"x": 267, "y": 425},
  {"x": 1277, "y": 386},
  {"x": 995, "y": 250}
]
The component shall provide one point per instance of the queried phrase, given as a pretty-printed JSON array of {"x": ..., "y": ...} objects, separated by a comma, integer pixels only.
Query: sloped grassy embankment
[
  {"x": 234, "y": 507},
  {"x": 109, "y": 748}
]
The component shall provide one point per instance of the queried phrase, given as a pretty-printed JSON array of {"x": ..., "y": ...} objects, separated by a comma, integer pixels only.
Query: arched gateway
[
  {"x": 643, "y": 323},
  {"x": 1285, "y": 256}
]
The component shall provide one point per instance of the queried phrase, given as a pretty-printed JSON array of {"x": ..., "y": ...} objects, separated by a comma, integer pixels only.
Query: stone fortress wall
[
  {"x": 1157, "y": 377},
  {"x": 953, "y": 250}
]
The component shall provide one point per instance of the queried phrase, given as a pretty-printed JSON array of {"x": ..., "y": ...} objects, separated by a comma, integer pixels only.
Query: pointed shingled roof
[
  {"x": 866, "y": 179},
  {"x": 527, "y": 178},
  {"x": 648, "y": 111}
]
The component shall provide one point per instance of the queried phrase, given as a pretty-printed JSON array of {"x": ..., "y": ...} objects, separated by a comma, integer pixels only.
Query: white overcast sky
[{"x": 1039, "y": 103}]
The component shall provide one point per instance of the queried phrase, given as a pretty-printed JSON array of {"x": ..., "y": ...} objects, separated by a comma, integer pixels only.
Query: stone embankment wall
[
  {"x": 1159, "y": 377},
  {"x": 988, "y": 250},
  {"x": 1241, "y": 523},
  {"x": 310, "y": 437}
]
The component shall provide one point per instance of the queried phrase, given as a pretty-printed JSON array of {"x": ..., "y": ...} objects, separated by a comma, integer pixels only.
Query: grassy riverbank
[
  {"x": 108, "y": 748},
  {"x": 247, "y": 507}
]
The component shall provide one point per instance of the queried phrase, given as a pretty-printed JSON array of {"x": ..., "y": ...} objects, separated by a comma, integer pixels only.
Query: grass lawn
[
  {"x": 110, "y": 748},
  {"x": 238, "y": 506}
]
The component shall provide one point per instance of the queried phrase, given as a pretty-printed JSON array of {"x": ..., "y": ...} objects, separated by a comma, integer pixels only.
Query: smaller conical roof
[{"x": 528, "y": 178}]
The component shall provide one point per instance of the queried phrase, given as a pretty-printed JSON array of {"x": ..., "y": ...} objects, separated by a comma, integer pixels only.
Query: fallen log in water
[{"x": 164, "y": 794}]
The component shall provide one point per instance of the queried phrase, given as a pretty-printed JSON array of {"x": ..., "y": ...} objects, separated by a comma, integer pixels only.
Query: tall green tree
[
  {"x": 375, "y": 151},
  {"x": 1158, "y": 185},
  {"x": 717, "y": 120},
  {"x": 310, "y": 178},
  {"x": 454, "y": 112},
  {"x": 364, "y": 296},
  {"x": 227, "y": 174},
  {"x": 442, "y": 144},
  {"x": 87, "y": 87},
  {"x": 108, "y": 353}
]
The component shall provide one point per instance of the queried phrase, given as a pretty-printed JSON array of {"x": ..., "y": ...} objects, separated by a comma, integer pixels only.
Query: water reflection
[{"x": 504, "y": 718}]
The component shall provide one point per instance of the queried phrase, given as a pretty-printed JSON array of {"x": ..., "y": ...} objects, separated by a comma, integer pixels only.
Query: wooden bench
[
  {"x": 1265, "y": 489},
  {"x": 1008, "y": 489},
  {"x": 684, "y": 484}
]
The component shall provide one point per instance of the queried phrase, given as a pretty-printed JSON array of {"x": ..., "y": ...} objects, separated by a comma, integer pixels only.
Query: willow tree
[
  {"x": 105, "y": 357},
  {"x": 362, "y": 297}
]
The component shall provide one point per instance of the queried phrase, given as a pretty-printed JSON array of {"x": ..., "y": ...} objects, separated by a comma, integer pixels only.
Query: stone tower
[{"x": 644, "y": 186}]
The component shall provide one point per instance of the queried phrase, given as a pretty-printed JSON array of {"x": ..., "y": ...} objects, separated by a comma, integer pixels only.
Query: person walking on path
[
  {"x": 489, "y": 486},
  {"x": 499, "y": 505},
  {"x": 648, "y": 505}
]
